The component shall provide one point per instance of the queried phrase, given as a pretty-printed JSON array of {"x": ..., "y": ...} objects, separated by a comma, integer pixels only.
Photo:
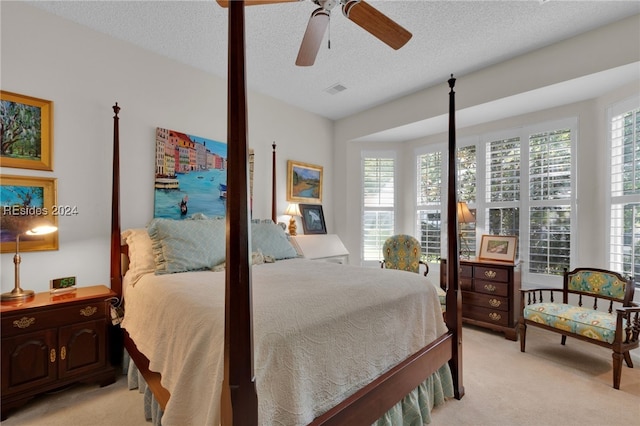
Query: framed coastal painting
[
  {"x": 312, "y": 219},
  {"x": 498, "y": 247},
  {"x": 190, "y": 176},
  {"x": 27, "y": 132},
  {"x": 27, "y": 202},
  {"x": 304, "y": 182}
]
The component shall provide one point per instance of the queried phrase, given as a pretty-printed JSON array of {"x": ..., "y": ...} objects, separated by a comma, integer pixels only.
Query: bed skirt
[{"x": 413, "y": 410}]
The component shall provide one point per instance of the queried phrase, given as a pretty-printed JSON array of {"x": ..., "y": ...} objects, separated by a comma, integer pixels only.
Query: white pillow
[{"x": 141, "y": 259}]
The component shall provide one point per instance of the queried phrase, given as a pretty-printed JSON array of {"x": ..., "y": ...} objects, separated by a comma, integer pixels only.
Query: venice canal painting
[{"x": 190, "y": 177}]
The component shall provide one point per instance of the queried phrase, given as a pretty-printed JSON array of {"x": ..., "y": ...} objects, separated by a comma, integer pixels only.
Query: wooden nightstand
[{"x": 50, "y": 341}]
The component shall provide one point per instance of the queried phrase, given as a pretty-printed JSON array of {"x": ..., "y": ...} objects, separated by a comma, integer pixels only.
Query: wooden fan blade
[
  {"x": 313, "y": 36},
  {"x": 376, "y": 23},
  {"x": 225, "y": 3}
]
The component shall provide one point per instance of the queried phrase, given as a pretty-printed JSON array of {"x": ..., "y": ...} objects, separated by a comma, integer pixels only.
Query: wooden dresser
[
  {"x": 490, "y": 294},
  {"x": 50, "y": 341}
]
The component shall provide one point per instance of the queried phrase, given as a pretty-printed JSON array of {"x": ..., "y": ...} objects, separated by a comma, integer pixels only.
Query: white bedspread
[{"x": 321, "y": 331}]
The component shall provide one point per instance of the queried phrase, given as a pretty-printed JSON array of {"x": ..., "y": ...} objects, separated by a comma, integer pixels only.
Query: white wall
[
  {"x": 572, "y": 59},
  {"x": 84, "y": 73}
]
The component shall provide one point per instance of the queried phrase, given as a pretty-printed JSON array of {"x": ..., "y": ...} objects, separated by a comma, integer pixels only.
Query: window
[
  {"x": 430, "y": 192},
  {"x": 467, "y": 190},
  {"x": 525, "y": 178},
  {"x": 378, "y": 194},
  {"x": 624, "y": 240},
  {"x": 503, "y": 187},
  {"x": 550, "y": 202}
]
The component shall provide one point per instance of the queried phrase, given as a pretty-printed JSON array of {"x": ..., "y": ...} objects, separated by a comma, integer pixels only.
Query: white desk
[{"x": 325, "y": 247}]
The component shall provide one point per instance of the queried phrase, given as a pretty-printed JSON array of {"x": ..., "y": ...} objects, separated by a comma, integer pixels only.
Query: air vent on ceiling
[{"x": 335, "y": 88}]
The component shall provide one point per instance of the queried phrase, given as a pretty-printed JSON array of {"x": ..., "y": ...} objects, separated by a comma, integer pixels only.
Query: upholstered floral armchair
[
  {"x": 403, "y": 252},
  {"x": 615, "y": 327}
]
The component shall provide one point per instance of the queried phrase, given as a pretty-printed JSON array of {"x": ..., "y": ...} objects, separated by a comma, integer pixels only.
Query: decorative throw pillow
[
  {"x": 187, "y": 245},
  {"x": 270, "y": 239},
  {"x": 140, "y": 253}
]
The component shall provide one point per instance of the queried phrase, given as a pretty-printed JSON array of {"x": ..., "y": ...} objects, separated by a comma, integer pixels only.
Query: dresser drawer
[
  {"x": 486, "y": 301},
  {"x": 491, "y": 316},
  {"x": 40, "y": 320},
  {"x": 489, "y": 287},
  {"x": 466, "y": 271},
  {"x": 491, "y": 274}
]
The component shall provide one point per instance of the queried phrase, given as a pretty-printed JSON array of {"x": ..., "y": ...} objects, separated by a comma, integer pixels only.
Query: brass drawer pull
[
  {"x": 24, "y": 322},
  {"x": 63, "y": 352},
  {"x": 52, "y": 355},
  {"x": 490, "y": 274},
  {"x": 495, "y": 303},
  {"x": 490, "y": 287},
  {"x": 494, "y": 316},
  {"x": 88, "y": 311}
]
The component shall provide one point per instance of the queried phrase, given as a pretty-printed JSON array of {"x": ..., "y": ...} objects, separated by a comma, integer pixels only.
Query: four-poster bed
[{"x": 239, "y": 393}]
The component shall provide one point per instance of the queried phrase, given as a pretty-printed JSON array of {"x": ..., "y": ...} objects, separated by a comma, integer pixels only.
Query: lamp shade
[
  {"x": 42, "y": 230},
  {"x": 464, "y": 214},
  {"x": 293, "y": 210}
]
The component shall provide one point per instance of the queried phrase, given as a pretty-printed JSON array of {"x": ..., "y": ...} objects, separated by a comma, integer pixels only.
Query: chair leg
[
  {"x": 627, "y": 359},
  {"x": 563, "y": 340},
  {"x": 523, "y": 335},
  {"x": 617, "y": 369}
]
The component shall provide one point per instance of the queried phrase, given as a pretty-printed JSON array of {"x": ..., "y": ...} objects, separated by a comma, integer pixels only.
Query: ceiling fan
[{"x": 358, "y": 11}]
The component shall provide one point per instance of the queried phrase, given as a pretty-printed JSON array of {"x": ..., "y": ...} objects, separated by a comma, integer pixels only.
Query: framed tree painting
[
  {"x": 27, "y": 132},
  {"x": 304, "y": 182},
  {"x": 27, "y": 202},
  {"x": 498, "y": 247},
  {"x": 312, "y": 219}
]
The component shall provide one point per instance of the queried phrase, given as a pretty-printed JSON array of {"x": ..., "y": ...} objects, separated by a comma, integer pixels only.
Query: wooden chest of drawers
[
  {"x": 50, "y": 341},
  {"x": 490, "y": 294}
]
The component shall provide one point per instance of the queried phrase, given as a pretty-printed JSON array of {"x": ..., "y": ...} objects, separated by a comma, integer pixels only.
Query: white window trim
[
  {"x": 366, "y": 153},
  {"x": 614, "y": 110}
]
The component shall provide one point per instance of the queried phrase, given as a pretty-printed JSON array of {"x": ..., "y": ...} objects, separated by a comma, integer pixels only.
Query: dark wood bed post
[
  {"x": 239, "y": 401},
  {"x": 274, "y": 215},
  {"x": 116, "y": 266},
  {"x": 453, "y": 316}
]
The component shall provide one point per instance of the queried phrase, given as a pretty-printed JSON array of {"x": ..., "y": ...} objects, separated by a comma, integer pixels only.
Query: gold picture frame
[
  {"x": 27, "y": 202},
  {"x": 27, "y": 136},
  {"x": 498, "y": 247},
  {"x": 304, "y": 182}
]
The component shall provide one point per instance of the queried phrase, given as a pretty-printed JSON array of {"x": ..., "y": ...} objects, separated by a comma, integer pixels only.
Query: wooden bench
[{"x": 613, "y": 329}]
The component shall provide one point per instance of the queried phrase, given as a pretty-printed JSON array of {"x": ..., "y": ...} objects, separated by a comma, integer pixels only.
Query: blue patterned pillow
[
  {"x": 271, "y": 240},
  {"x": 187, "y": 245}
]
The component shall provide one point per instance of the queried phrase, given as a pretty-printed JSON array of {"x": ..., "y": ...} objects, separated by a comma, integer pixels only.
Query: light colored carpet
[{"x": 548, "y": 385}]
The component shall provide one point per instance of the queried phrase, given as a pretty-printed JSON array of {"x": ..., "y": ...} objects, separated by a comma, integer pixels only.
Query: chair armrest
[
  {"x": 627, "y": 331},
  {"x": 627, "y": 309},
  {"x": 426, "y": 266},
  {"x": 535, "y": 295}
]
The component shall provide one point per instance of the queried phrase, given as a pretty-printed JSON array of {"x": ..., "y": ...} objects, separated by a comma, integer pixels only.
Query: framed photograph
[
  {"x": 498, "y": 247},
  {"x": 312, "y": 219},
  {"x": 304, "y": 182},
  {"x": 27, "y": 132},
  {"x": 27, "y": 202}
]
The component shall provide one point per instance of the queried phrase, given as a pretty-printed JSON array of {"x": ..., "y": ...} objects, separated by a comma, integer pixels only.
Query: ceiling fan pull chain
[{"x": 329, "y": 36}]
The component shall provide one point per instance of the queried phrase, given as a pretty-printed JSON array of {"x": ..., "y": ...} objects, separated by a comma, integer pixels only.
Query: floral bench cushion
[
  {"x": 587, "y": 322},
  {"x": 598, "y": 283}
]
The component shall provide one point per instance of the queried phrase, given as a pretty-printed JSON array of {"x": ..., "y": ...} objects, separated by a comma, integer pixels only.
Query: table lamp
[
  {"x": 18, "y": 293},
  {"x": 293, "y": 210},
  {"x": 464, "y": 216}
]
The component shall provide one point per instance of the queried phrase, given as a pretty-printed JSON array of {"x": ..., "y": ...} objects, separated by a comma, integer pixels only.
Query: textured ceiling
[{"x": 448, "y": 37}]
